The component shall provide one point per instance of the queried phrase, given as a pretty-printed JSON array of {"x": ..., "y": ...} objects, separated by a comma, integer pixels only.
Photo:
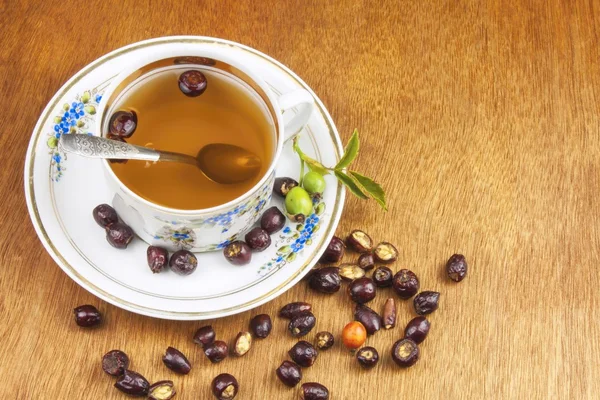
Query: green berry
[
  {"x": 314, "y": 182},
  {"x": 298, "y": 202}
]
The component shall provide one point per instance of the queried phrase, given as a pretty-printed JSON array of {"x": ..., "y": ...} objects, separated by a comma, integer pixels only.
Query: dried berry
[
  {"x": 456, "y": 267},
  {"x": 354, "y": 335},
  {"x": 238, "y": 253},
  {"x": 298, "y": 204},
  {"x": 382, "y": 276},
  {"x": 176, "y": 361},
  {"x": 313, "y": 391},
  {"x": 291, "y": 310},
  {"x": 324, "y": 340},
  {"x": 405, "y": 352},
  {"x": 105, "y": 215},
  {"x": 289, "y": 373},
  {"x": 417, "y": 329},
  {"x": 272, "y": 220},
  {"x": 183, "y": 262},
  {"x": 157, "y": 258},
  {"x": 359, "y": 241},
  {"x": 87, "y": 316},
  {"x": 334, "y": 251},
  {"x": 261, "y": 326},
  {"x": 119, "y": 235},
  {"x": 242, "y": 343},
  {"x": 366, "y": 261},
  {"x": 367, "y": 357},
  {"x": 301, "y": 324},
  {"x": 216, "y": 351},
  {"x": 362, "y": 290},
  {"x": 303, "y": 354},
  {"x": 225, "y": 387},
  {"x": 389, "y": 314},
  {"x": 385, "y": 252},
  {"x": 115, "y": 362},
  {"x": 426, "y": 302},
  {"x": 350, "y": 272},
  {"x": 405, "y": 283},
  {"x": 369, "y": 318},
  {"x": 204, "y": 336},
  {"x": 162, "y": 390},
  {"x": 123, "y": 124},
  {"x": 326, "y": 280},
  {"x": 258, "y": 239},
  {"x": 192, "y": 83},
  {"x": 133, "y": 384},
  {"x": 284, "y": 185}
]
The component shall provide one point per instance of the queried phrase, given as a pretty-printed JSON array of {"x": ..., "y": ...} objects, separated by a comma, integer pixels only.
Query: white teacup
[{"x": 212, "y": 228}]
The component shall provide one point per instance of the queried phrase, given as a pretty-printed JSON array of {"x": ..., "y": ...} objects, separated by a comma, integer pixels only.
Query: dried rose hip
[
  {"x": 417, "y": 329},
  {"x": 303, "y": 354},
  {"x": 405, "y": 353},
  {"x": 105, "y": 215},
  {"x": 242, "y": 344},
  {"x": 284, "y": 185},
  {"x": 238, "y": 253},
  {"x": 426, "y": 302},
  {"x": 157, "y": 257},
  {"x": 272, "y": 220},
  {"x": 313, "y": 391},
  {"x": 258, "y": 239},
  {"x": 119, "y": 235},
  {"x": 115, "y": 362},
  {"x": 123, "y": 123},
  {"x": 204, "y": 335},
  {"x": 389, "y": 314},
  {"x": 362, "y": 290},
  {"x": 367, "y": 357},
  {"x": 291, "y": 310},
  {"x": 405, "y": 283},
  {"x": 354, "y": 335},
  {"x": 289, "y": 373},
  {"x": 359, "y": 241},
  {"x": 183, "y": 262},
  {"x": 456, "y": 267},
  {"x": 382, "y": 276},
  {"x": 261, "y": 326},
  {"x": 334, "y": 251},
  {"x": 192, "y": 83},
  {"x": 366, "y": 261},
  {"x": 216, "y": 351},
  {"x": 225, "y": 387},
  {"x": 133, "y": 384},
  {"x": 176, "y": 361},
  {"x": 162, "y": 390},
  {"x": 326, "y": 280},
  {"x": 385, "y": 252},
  {"x": 87, "y": 316},
  {"x": 324, "y": 340},
  {"x": 350, "y": 272},
  {"x": 369, "y": 318},
  {"x": 302, "y": 324}
]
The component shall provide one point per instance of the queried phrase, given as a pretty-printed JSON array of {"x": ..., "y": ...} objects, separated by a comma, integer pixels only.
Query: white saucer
[{"x": 61, "y": 194}]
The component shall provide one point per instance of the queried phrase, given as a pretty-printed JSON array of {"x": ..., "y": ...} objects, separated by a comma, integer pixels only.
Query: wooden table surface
[{"x": 481, "y": 119}]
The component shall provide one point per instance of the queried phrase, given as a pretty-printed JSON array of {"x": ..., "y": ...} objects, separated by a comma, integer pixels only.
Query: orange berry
[{"x": 354, "y": 335}]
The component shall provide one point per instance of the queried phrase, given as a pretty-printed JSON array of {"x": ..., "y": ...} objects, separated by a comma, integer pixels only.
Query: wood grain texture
[{"x": 480, "y": 118}]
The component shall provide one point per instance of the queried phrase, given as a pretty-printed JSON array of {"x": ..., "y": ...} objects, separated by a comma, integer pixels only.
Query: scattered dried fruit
[
  {"x": 303, "y": 354},
  {"x": 115, "y": 362},
  {"x": 354, "y": 335},
  {"x": 176, "y": 361},
  {"x": 119, "y": 235},
  {"x": 204, "y": 335},
  {"x": 258, "y": 239},
  {"x": 133, "y": 384},
  {"x": 302, "y": 324},
  {"x": 183, "y": 262},
  {"x": 385, "y": 252},
  {"x": 87, "y": 316},
  {"x": 368, "y": 318},
  {"x": 324, "y": 340},
  {"x": 284, "y": 185},
  {"x": 326, "y": 280},
  {"x": 162, "y": 390},
  {"x": 261, "y": 326},
  {"x": 350, "y": 272},
  {"x": 334, "y": 251},
  {"x": 362, "y": 290},
  {"x": 426, "y": 302},
  {"x": 238, "y": 252},
  {"x": 123, "y": 124},
  {"x": 289, "y": 373},
  {"x": 366, "y": 261},
  {"x": 242, "y": 344},
  {"x": 367, "y": 357},
  {"x": 456, "y": 267},
  {"x": 105, "y": 215},
  {"x": 382, "y": 276},
  {"x": 157, "y": 258},
  {"x": 225, "y": 387},
  {"x": 192, "y": 83},
  {"x": 417, "y": 329},
  {"x": 405, "y": 283},
  {"x": 389, "y": 314},
  {"x": 359, "y": 241},
  {"x": 216, "y": 351},
  {"x": 272, "y": 220},
  {"x": 291, "y": 310},
  {"x": 314, "y": 391},
  {"x": 405, "y": 352}
]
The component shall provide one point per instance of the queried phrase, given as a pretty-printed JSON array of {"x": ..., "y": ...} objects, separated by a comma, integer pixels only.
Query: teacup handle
[{"x": 304, "y": 101}]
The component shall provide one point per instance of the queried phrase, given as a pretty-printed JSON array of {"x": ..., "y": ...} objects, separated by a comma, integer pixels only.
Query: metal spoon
[{"x": 222, "y": 163}]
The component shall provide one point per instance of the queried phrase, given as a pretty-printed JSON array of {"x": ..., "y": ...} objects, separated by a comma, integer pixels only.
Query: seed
[
  {"x": 289, "y": 373},
  {"x": 261, "y": 326},
  {"x": 359, "y": 241},
  {"x": 456, "y": 267},
  {"x": 204, "y": 336},
  {"x": 367, "y": 357},
  {"x": 389, "y": 314},
  {"x": 382, "y": 276},
  {"x": 405, "y": 353},
  {"x": 123, "y": 124},
  {"x": 238, "y": 253},
  {"x": 258, "y": 239},
  {"x": 385, "y": 252},
  {"x": 192, "y": 83},
  {"x": 115, "y": 362},
  {"x": 216, "y": 351},
  {"x": 183, "y": 262},
  {"x": 417, "y": 329},
  {"x": 176, "y": 361},
  {"x": 242, "y": 344},
  {"x": 284, "y": 185},
  {"x": 302, "y": 324},
  {"x": 324, "y": 340},
  {"x": 334, "y": 251},
  {"x": 426, "y": 302},
  {"x": 272, "y": 220},
  {"x": 303, "y": 354},
  {"x": 405, "y": 283},
  {"x": 350, "y": 272},
  {"x": 132, "y": 383},
  {"x": 354, "y": 335},
  {"x": 119, "y": 235},
  {"x": 87, "y": 316},
  {"x": 162, "y": 390},
  {"x": 366, "y": 261},
  {"x": 369, "y": 318},
  {"x": 290, "y": 310},
  {"x": 225, "y": 387},
  {"x": 157, "y": 258},
  {"x": 326, "y": 280},
  {"x": 105, "y": 215},
  {"x": 362, "y": 290},
  {"x": 313, "y": 391}
]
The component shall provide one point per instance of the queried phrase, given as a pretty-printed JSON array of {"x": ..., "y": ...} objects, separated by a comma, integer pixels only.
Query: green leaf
[
  {"x": 371, "y": 187},
  {"x": 350, "y": 152},
  {"x": 350, "y": 184},
  {"x": 313, "y": 164}
]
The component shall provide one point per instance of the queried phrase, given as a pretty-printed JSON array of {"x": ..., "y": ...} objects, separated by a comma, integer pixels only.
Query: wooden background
[{"x": 480, "y": 118}]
